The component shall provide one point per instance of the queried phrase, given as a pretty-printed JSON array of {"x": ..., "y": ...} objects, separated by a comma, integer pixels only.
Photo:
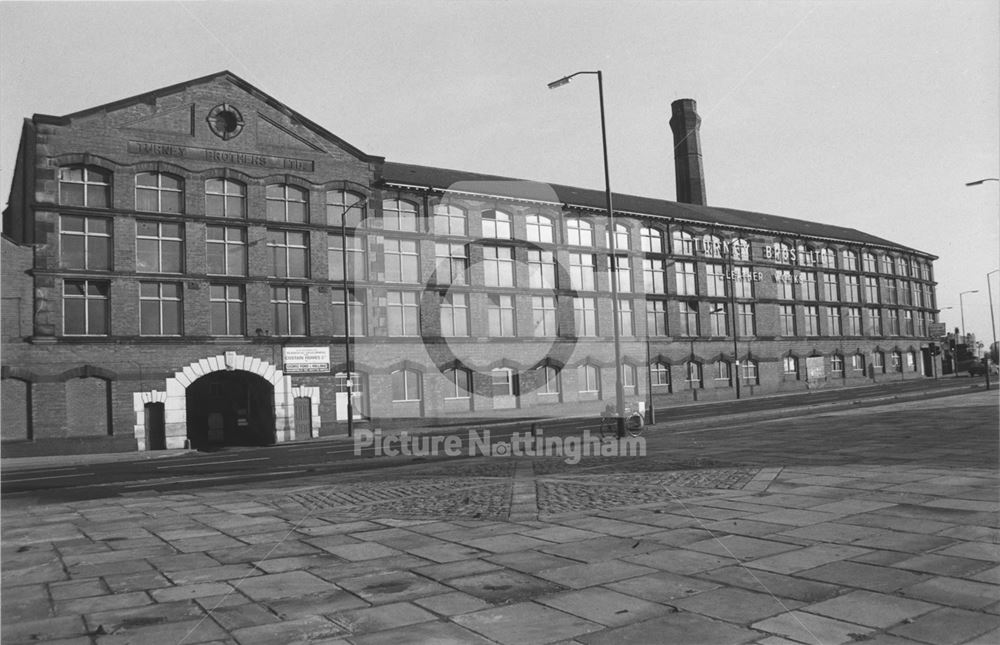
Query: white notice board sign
[{"x": 306, "y": 360}]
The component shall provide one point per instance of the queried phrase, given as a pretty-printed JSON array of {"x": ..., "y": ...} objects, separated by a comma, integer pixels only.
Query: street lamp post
[
  {"x": 348, "y": 368},
  {"x": 961, "y": 309},
  {"x": 993, "y": 322},
  {"x": 619, "y": 390}
]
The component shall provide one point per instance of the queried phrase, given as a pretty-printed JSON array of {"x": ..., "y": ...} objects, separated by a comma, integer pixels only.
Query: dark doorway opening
[
  {"x": 156, "y": 429},
  {"x": 230, "y": 409}
]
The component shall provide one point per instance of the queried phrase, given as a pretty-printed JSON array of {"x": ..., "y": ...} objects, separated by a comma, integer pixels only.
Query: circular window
[{"x": 225, "y": 121}]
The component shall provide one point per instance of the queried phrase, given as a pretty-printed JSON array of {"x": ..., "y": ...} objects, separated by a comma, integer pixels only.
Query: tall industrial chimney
[{"x": 688, "y": 170}]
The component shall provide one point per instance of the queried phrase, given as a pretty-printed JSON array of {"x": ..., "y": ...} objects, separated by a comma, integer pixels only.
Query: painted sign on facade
[{"x": 306, "y": 360}]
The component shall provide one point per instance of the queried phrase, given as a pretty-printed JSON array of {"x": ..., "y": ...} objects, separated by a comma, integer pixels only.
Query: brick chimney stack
[{"x": 688, "y": 170}]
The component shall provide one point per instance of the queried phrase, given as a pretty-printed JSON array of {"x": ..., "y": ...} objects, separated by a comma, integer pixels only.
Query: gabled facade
[{"x": 175, "y": 264}]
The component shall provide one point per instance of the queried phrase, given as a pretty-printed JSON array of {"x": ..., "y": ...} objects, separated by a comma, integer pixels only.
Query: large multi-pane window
[
  {"x": 892, "y": 322},
  {"x": 579, "y": 232},
  {"x": 287, "y": 203},
  {"x": 722, "y": 372},
  {"x": 887, "y": 264},
  {"x": 745, "y": 319},
  {"x": 849, "y": 261},
  {"x": 897, "y": 361},
  {"x": 853, "y": 322},
  {"x": 399, "y": 215},
  {"x": 500, "y": 314},
  {"x": 830, "y": 291},
  {"x": 160, "y": 309},
  {"x": 683, "y": 243},
  {"x": 832, "y": 324},
  {"x": 289, "y": 253},
  {"x": 740, "y": 249},
  {"x": 543, "y": 315},
  {"x": 810, "y": 320},
  {"x": 688, "y": 318},
  {"x": 875, "y": 320},
  {"x": 621, "y": 239},
  {"x": 503, "y": 382},
  {"x": 742, "y": 283},
  {"x": 405, "y": 385},
  {"x": 908, "y": 328},
  {"x": 871, "y": 289},
  {"x": 786, "y": 319},
  {"x": 459, "y": 383},
  {"x": 455, "y": 315},
  {"x": 626, "y": 318},
  {"x": 651, "y": 240},
  {"x": 228, "y": 309},
  {"x": 785, "y": 285},
  {"x": 585, "y": 316},
  {"x": 85, "y": 307},
  {"x": 498, "y": 266},
  {"x": 902, "y": 267},
  {"x": 355, "y": 311},
  {"x": 548, "y": 379},
  {"x": 659, "y": 374},
  {"x": 402, "y": 261},
  {"x": 158, "y": 192},
  {"x": 589, "y": 378},
  {"x": 903, "y": 291},
  {"x": 711, "y": 246},
  {"x": 807, "y": 281},
  {"x": 85, "y": 242},
  {"x": 628, "y": 379},
  {"x": 84, "y": 186},
  {"x": 750, "y": 374},
  {"x": 539, "y": 229},
  {"x": 868, "y": 264},
  {"x": 878, "y": 362},
  {"x": 623, "y": 272},
  {"x": 496, "y": 224},
  {"x": 159, "y": 247},
  {"x": 541, "y": 269},
  {"x": 452, "y": 263},
  {"x": 225, "y": 198},
  {"x": 449, "y": 220},
  {"x": 344, "y": 208},
  {"x": 226, "y": 248},
  {"x": 837, "y": 365},
  {"x": 653, "y": 276},
  {"x": 289, "y": 307},
  {"x": 718, "y": 322},
  {"x": 827, "y": 258},
  {"x": 692, "y": 371},
  {"x": 715, "y": 280},
  {"x": 403, "y": 312},
  {"x": 685, "y": 275},
  {"x": 790, "y": 366},
  {"x": 858, "y": 363},
  {"x": 582, "y": 271},
  {"x": 356, "y": 258},
  {"x": 656, "y": 318},
  {"x": 916, "y": 294},
  {"x": 852, "y": 290}
]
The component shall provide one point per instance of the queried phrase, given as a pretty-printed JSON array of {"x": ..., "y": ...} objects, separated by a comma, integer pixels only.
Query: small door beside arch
[
  {"x": 156, "y": 432},
  {"x": 303, "y": 417}
]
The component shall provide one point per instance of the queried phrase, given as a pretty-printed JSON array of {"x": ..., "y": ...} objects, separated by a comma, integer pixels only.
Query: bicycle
[{"x": 634, "y": 423}]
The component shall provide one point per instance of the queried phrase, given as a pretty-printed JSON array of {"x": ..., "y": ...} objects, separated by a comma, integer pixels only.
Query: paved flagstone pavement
[{"x": 855, "y": 527}]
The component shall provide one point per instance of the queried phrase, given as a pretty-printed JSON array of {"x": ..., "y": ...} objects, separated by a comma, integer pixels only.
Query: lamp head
[{"x": 562, "y": 81}]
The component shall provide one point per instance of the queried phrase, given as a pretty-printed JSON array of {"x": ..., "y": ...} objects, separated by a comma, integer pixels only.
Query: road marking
[
  {"x": 31, "y": 479},
  {"x": 212, "y": 463}
]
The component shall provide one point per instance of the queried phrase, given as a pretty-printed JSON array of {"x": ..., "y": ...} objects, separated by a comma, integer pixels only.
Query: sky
[{"x": 867, "y": 114}]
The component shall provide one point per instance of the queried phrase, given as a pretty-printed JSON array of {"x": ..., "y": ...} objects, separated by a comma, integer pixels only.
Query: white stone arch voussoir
[{"x": 174, "y": 397}]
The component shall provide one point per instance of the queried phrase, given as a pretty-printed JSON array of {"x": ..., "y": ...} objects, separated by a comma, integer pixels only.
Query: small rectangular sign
[
  {"x": 937, "y": 330},
  {"x": 306, "y": 360}
]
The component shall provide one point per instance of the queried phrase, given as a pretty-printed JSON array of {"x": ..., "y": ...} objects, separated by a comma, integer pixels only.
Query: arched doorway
[{"x": 230, "y": 408}]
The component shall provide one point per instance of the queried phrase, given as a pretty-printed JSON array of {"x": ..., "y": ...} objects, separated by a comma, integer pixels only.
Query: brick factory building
[{"x": 174, "y": 264}]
